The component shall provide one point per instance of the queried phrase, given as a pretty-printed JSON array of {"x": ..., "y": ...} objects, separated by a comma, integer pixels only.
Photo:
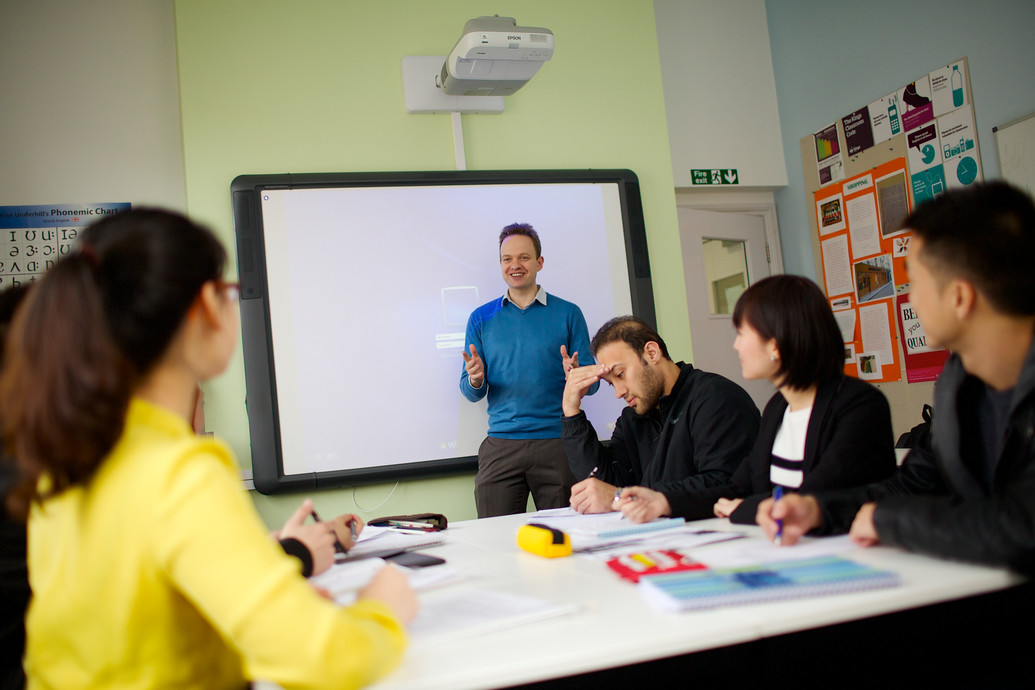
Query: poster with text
[
  {"x": 923, "y": 362},
  {"x": 858, "y": 133},
  {"x": 863, "y": 247},
  {"x": 884, "y": 119},
  {"x": 915, "y": 105},
  {"x": 924, "y": 154},
  {"x": 949, "y": 88},
  {"x": 959, "y": 148},
  {"x": 33, "y": 238},
  {"x": 828, "y": 155}
]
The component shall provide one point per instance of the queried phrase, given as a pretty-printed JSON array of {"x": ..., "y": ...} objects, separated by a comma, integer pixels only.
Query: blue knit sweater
[{"x": 521, "y": 351}]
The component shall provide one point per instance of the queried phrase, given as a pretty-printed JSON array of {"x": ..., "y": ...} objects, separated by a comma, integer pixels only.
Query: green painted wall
[{"x": 275, "y": 86}]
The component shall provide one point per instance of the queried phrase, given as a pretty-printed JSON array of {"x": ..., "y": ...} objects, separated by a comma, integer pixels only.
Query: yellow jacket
[{"x": 159, "y": 573}]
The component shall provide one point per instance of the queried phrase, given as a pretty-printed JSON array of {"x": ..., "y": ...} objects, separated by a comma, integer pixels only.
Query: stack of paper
[{"x": 592, "y": 530}]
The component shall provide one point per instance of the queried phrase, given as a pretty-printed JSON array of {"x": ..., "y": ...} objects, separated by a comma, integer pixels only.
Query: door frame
[{"x": 752, "y": 203}]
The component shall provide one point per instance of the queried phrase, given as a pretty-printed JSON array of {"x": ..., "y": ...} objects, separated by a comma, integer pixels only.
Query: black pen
[{"x": 338, "y": 546}]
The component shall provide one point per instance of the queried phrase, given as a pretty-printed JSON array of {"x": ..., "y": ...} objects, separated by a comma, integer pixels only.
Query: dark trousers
[{"x": 508, "y": 469}]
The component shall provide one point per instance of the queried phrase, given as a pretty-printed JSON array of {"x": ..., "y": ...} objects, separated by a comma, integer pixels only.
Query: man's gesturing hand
[
  {"x": 568, "y": 363},
  {"x": 474, "y": 367}
]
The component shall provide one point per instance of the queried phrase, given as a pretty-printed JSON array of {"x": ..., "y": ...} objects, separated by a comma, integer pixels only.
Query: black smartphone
[{"x": 413, "y": 559}]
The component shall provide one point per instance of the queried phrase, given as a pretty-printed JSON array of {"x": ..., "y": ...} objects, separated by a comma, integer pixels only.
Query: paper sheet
[
  {"x": 753, "y": 551},
  {"x": 473, "y": 612},
  {"x": 846, "y": 324},
  {"x": 876, "y": 331},
  {"x": 862, "y": 225},
  {"x": 836, "y": 266},
  {"x": 344, "y": 580}
]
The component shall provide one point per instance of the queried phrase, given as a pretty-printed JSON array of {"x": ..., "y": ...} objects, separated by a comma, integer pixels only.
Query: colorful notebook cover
[
  {"x": 704, "y": 589},
  {"x": 633, "y": 566}
]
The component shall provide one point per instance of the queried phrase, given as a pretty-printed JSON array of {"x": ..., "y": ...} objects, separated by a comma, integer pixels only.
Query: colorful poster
[
  {"x": 949, "y": 88},
  {"x": 863, "y": 256},
  {"x": 923, "y": 362},
  {"x": 927, "y": 184},
  {"x": 831, "y": 214},
  {"x": 858, "y": 134},
  {"x": 874, "y": 279},
  {"x": 32, "y": 238},
  {"x": 828, "y": 155},
  {"x": 915, "y": 106},
  {"x": 959, "y": 148},
  {"x": 923, "y": 150},
  {"x": 884, "y": 119},
  {"x": 926, "y": 172}
]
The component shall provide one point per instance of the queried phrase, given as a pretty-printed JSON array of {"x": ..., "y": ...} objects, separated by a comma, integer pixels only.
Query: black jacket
[
  {"x": 934, "y": 504},
  {"x": 849, "y": 442},
  {"x": 694, "y": 438}
]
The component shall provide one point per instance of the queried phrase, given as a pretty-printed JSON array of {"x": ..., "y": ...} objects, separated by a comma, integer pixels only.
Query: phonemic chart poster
[{"x": 33, "y": 238}]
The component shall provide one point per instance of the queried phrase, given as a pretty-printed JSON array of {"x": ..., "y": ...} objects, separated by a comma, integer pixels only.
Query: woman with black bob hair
[
  {"x": 149, "y": 565},
  {"x": 821, "y": 430}
]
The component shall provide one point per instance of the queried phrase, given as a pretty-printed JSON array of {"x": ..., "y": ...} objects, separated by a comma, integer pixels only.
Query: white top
[{"x": 787, "y": 469}]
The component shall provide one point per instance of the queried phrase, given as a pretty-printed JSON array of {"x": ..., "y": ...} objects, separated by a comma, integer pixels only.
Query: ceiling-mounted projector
[{"x": 495, "y": 57}]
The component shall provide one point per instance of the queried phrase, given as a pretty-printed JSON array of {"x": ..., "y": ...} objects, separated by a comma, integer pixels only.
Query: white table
[{"x": 614, "y": 626}]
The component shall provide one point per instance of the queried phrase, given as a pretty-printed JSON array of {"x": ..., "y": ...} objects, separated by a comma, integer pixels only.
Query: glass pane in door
[{"x": 726, "y": 272}]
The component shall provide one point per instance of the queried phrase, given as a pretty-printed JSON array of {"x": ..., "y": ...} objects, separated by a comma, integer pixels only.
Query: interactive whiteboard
[{"x": 356, "y": 290}]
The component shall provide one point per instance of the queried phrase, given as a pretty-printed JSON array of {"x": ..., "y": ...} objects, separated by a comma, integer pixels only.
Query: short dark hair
[
  {"x": 522, "y": 229},
  {"x": 634, "y": 332},
  {"x": 795, "y": 312},
  {"x": 985, "y": 234}
]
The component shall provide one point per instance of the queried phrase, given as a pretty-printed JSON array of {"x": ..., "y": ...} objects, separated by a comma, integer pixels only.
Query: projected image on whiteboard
[{"x": 369, "y": 293}]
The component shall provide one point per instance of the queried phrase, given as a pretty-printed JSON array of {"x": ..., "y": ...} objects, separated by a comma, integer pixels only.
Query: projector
[{"x": 494, "y": 57}]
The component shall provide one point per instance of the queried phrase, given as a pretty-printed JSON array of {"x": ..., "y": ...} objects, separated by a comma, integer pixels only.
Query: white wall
[
  {"x": 720, "y": 95},
  {"x": 89, "y": 103}
]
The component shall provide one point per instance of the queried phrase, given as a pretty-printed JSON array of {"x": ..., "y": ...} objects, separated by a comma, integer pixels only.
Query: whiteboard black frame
[{"x": 257, "y": 337}]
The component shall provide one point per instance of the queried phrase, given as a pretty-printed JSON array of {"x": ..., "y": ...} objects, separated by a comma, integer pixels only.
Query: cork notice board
[{"x": 863, "y": 173}]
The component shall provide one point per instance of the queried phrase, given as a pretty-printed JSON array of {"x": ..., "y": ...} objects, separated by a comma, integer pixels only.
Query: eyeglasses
[{"x": 231, "y": 290}]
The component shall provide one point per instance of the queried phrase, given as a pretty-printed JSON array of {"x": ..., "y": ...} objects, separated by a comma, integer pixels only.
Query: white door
[{"x": 723, "y": 253}]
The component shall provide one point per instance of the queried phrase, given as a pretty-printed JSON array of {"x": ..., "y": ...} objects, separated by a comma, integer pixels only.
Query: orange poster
[{"x": 863, "y": 245}]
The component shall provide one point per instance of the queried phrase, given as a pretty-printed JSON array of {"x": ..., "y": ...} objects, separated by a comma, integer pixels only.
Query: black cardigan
[{"x": 849, "y": 442}]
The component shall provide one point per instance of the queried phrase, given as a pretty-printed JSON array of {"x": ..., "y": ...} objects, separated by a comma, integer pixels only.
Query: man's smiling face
[{"x": 519, "y": 262}]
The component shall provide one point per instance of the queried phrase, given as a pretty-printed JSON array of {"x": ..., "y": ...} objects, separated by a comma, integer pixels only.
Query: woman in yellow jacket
[{"x": 149, "y": 566}]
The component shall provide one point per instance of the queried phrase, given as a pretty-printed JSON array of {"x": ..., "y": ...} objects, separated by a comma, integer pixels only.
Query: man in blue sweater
[{"x": 518, "y": 354}]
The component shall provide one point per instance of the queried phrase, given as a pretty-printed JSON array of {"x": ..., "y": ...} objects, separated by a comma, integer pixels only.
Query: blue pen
[{"x": 777, "y": 495}]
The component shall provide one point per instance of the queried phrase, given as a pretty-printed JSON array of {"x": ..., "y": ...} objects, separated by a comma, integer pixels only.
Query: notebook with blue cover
[{"x": 703, "y": 589}]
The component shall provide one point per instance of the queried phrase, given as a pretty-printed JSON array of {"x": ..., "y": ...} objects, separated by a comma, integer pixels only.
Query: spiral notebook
[{"x": 704, "y": 589}]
